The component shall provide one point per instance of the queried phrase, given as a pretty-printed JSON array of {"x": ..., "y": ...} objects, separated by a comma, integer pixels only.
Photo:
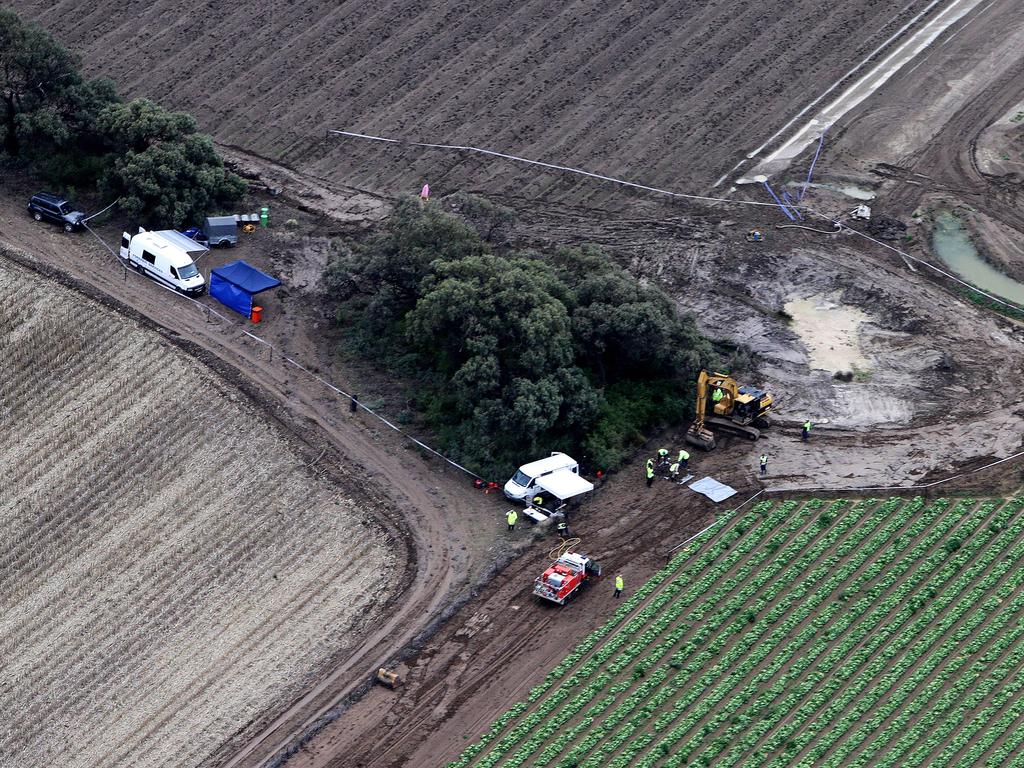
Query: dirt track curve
[{"x": 502, "y": 644}]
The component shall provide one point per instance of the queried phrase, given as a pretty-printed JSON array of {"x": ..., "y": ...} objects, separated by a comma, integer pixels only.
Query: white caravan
[{"x": 166, "y": 257}]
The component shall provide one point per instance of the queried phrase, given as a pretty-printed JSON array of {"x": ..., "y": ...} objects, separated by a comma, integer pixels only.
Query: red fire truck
[{"x": 565, "y": 576}]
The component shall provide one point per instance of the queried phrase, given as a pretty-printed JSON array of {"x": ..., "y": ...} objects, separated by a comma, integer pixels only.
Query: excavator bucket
[
  {"x": 388, "y": 678},
  {"x": 700, "y": 438}
]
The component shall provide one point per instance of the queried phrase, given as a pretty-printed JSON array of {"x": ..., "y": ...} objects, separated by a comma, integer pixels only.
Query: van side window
[
  {"x": 124, "y": 242},
  {"x": 174, "y": 273},
  {"x": 148, "y": 257}
]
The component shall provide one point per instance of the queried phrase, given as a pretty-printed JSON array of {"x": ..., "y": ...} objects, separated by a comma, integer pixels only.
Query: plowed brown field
[{"x": 671, "y": 93}]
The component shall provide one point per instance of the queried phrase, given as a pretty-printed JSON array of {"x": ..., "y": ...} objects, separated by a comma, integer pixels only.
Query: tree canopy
[
  {"x": 47, "y": 107},
  {"x": 517, "y": 354},
  {"x": 162, "y": 170},
  {"x": 77, "y": 132}
]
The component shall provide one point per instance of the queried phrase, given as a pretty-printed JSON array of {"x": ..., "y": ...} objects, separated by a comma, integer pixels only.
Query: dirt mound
[{"x": 886, "y": 228}]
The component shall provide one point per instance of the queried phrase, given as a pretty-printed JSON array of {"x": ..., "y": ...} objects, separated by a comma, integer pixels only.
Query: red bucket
[{"x": 257, "y": 314}]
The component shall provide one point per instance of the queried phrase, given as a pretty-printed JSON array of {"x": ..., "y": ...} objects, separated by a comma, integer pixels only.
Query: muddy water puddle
[
  {"x": 952, "y": 244},
  {"x": 830, "y": 331},
  {"x": 850, "y": 190}
]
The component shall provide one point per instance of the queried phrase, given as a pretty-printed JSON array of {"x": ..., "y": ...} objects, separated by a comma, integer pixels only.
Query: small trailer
[
  {"x": 216, "y": 230},
  {"x": 221, "y": 230}
]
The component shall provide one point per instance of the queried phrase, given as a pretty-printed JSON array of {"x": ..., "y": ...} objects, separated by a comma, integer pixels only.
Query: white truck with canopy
[
  {"x": 520, "y": 487},
  {"x": 556, "y": 490}
]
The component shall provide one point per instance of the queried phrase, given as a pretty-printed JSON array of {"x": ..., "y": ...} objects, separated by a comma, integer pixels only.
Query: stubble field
[{"x": 172, "y": 570}]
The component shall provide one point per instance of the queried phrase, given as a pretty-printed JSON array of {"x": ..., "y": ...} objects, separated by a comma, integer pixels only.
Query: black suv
[{"x": 55, "y": 209}]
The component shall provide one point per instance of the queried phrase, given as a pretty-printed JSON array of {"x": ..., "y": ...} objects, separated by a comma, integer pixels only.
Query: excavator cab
[{"x": 752, "y": 407}]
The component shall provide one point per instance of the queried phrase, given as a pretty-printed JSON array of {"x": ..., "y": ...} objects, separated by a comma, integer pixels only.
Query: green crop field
[{"x": 800, "y": 634}]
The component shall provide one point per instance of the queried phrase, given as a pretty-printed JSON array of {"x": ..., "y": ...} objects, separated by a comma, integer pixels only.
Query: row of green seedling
[
  {"x": 715, "y": 621},
  {"x": 713, "y": 553},
  {"x": 696, "y": 693},
  {"x": 642, "y": 643},
  {"x": 950, "y": 591},
  {"x": 743, "y": 744},
  {"x": 787, "y": 684}
]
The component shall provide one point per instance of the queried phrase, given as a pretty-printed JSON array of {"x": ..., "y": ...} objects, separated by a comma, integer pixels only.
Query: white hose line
[
  {"x": 702, "y": 198},
  {"x": 552, "y": 166}
]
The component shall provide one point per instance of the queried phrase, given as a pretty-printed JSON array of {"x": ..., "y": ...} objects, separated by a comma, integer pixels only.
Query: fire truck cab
[{"x": 565, "y": 576}]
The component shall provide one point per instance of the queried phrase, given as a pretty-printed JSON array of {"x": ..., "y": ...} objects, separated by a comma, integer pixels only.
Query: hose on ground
[
  {"x": 563, "y": 546},
  {"x": 839, "y": 228}
]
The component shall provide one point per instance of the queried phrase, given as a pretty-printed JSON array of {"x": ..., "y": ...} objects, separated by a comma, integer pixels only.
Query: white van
[
  {"x": 522, "y": 483},
  {"x": 166, "y": 257}
]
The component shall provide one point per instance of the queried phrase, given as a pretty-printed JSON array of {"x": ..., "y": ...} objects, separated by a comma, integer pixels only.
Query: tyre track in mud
[
  {"x": 950, "y": 164},
  {"x": 428, "y": 701}
]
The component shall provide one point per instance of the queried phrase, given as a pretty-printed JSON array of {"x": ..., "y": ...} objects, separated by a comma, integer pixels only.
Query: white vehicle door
[
  {"x": 163, "y": 266},
  {"x": 126, "y": 241}
]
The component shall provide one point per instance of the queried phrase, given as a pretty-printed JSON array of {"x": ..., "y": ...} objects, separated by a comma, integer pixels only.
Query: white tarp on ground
[
  {"x": 713, "y": 489},
  {"x": 564, "y": 484}
]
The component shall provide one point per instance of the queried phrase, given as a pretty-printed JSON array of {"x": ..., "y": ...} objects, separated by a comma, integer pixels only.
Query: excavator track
[{"x": 727, "y": 425}]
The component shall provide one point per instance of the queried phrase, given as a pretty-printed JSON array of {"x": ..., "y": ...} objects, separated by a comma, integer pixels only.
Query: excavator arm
[
  {"x": 697, "y": 434},
  {"x": 702, "y": 400}
]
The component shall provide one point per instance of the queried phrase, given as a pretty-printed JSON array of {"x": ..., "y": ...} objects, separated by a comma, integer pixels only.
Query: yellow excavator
[{"x": 729, "y": 408}]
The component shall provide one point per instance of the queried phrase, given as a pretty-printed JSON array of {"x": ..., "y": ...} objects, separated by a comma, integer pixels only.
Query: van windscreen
[
  {"x": 187, "y": 271},
  {"x": 522, "y": 479}
]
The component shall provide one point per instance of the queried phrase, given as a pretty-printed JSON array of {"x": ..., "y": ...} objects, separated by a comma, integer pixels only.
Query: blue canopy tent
[{"x": 234, "y": 285}]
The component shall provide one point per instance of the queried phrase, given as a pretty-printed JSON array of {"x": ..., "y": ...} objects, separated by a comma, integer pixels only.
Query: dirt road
[{"x": 498, "y": 647}]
